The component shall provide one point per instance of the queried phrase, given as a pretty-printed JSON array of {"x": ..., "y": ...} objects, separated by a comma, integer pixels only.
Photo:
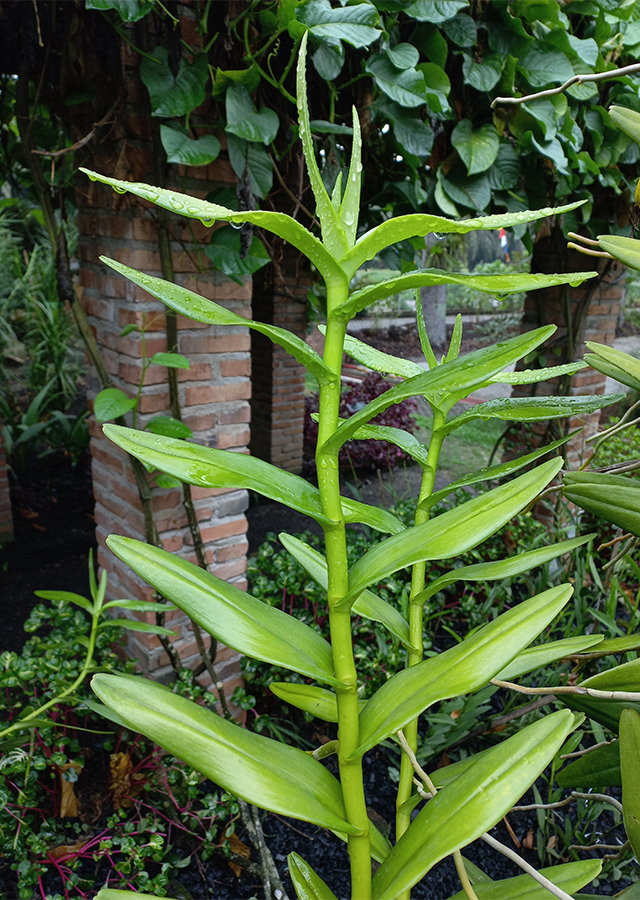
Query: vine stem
[{"x": 576, "y": 79}]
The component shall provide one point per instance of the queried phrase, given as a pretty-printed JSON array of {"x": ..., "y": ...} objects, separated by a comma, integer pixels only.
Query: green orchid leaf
[
  {"x": 169, "y": 427},
  {"x": 350, "y": 206},
  {"x": 628, "y": 120},
  {"x": 134, "y": 625},
  {"x": 494, "y": 472},
  {"x": 463, "y": 668},
  {"x": 617, "y": 645},
  {"x": 111, "y": 403},
  {"x": 536, "y": 657},
  {"x": 625, "y": 365},
  {"x": 398, "y": 436},
  {"x": 599, "y": 768},
  {"x": 66, "y": 597},
  {"x": 264, "y": 772},
  {"x": 533, "y": 409},
  {"x": 402, "y": 228},
  {"x": 377, "y": 360},
  {"x": 532, "y": 376},
  {"x": 472, "y": 804},
  {"x": 630, "y": 771},
  {"x": 625, "y": 677},
  {"x": 455, "y": 531},
  {"x": 627, "y": 250},
  {"x": 368, "y": 605},
  {"x": 196, "y": 307},
  {"x": 501, "y": 285},
  {"x": 211, "y": 468},
  {"x": 569, "y": 877},
  {"x": 333, "y": 233},
  {"x": 229, "y": 614},
  {"x": 140, "y": 605},
  {"x": 612, "y": 371},
  {"x": 170, "y": 360},
  {"x": 210, "y": 213},
  {"x": 496, "y": 570},
  {"x": 316, "y": 701},
  {"x": 308, "y": 885},
  {"x": 453, "y": 379},
  {"x": 616, "y": 501},
  {"x": 226, "y": 254},
  {"x": 103, "y": 711},
  {"x": 478, "y": 149},
  {"x": 182, "y": 149},
  {"x": 166, "y": 481}
]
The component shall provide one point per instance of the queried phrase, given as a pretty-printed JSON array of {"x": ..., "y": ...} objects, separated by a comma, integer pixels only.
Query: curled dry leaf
[{"x": 124, "y": 783}]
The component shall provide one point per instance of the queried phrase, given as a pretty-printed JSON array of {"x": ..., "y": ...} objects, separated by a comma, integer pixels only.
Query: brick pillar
[
  {"x": 214, "y": 392},
  {"x": 277, "y": 404},
  {"x": 6, "y": 519},
  {"x": 594, "y": 308}
]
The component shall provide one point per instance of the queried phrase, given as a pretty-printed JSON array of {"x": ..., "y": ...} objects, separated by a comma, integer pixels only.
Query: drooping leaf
[
  {"x": 533, "y": 409},
  {"x": 414, "y": 135},
  {"x": 139, "y": 605},
  {"x": 129, "y": 11},
  {"x": 505, "y": 171},
  {"x": 482, "y": 74},
  {"x": 308, "y": 885},
  {"x": 251, "y": 159},
  {"x": 368, "y": 604},
  {"x": 402, "y": 228},
  {"x": 436, "y": 11},
  {"x": 452, "y": 533},
  {"x": 542, "y": 66},
  {"x": 599, "y": 768},
  {"x": 313, "y": 700},
  {"x": 377, "y": 360},
  {"x": 471, "y": 805},
  {"x": 134, "y": 625},
  {"x": 181, "y": 148},
  {"x": 111, "y": 403},
  {"x": 231, "y": 615},
  {"x": 569, "y": 877},
  {"x": 208, "y": 213},
  {"x": 66, "y": 597},
  {"x": 328, "y": 60},
  {"x": 211, "y": 468},
  {"x": 196, "y": 307},
  {"x": 264, "y": 772},
  {"x": 461, "y": 30},
  {"x": 463, "y": 668},
  {"x": 405, "y": 86},
  {"x": 407, "y": 442},
  {"x": 622, "y": 678}
]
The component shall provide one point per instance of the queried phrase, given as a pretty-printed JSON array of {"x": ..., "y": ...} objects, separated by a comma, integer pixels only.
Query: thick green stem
[
  {"x": 405, "y": 786},
  {"x": 340, "y": 619}
]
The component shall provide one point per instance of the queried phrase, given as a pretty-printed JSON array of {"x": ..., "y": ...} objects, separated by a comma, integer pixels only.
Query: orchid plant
[{"x": 456, "y": 805}]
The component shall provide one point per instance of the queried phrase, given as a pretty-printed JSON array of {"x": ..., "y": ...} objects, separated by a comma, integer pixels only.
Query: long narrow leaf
[
  {"x": 532, "y": 376},
  {"x": 459, "y": 670},
  {"x": 599, "y": 768},
  {"x": 496, "y": 570},
  {"x": 212, "y": 468},
  {"x": 570, "y": 877},
  {"x": 533, "y": 409},
  {"x": 229, "y": 614},
  {"x": 473, "y": 804},
  {"x": 500, "y": 471},
  {"x": 333, "y": 233},
  {"x": 458, "y": 377},
  {"x": 66, "y": 597},
  {"x": 308, "y": 885},
  {"x": 536, "y": 657},
  {"x": 350, "y": 206},
  {"x": 630, "y": 771},
  {"x": 454, "y": 532},
  {"x": 377, "y": 360},
  {"x": 210, "y": 213},
  {"x": 398, "y": 436},
  {"x": 502, "y": 285},
  {"x": 368, "y": 605},
  {"x": 192, "y": 305},
  {"x": 402, "y": 228},
  {"x": 271, "y": 775}
]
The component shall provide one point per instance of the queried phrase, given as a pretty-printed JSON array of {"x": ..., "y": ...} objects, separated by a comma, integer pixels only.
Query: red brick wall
[{"x": 6, "y": 520}]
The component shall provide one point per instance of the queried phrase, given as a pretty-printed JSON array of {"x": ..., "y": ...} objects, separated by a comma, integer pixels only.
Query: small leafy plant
[{"x": 472, "y": 795}]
